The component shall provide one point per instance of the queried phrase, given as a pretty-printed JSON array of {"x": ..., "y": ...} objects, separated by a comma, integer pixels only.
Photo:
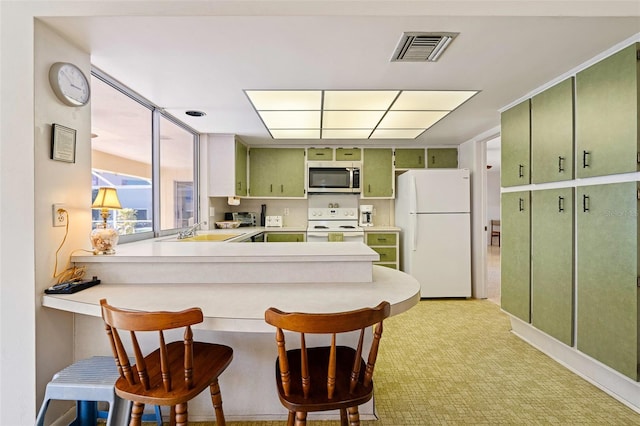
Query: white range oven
[{"x": 334, "y": 224}]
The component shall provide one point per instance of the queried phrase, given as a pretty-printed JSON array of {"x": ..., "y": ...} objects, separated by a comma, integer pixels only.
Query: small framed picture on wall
[{"x": 63, "y": 144}]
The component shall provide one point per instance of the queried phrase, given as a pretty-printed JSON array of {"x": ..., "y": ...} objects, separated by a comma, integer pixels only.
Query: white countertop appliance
[
  {"x": 433, "y": 210},
  {"x": 366, "y": 215},
  {"x": 334, "y": 224}
]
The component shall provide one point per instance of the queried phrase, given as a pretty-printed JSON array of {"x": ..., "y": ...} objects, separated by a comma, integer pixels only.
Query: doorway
[{"x": 492, "y": 191}]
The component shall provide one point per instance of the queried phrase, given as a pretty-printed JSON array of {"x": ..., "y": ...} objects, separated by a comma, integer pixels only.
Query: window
[{"x": 150, "y": 158}]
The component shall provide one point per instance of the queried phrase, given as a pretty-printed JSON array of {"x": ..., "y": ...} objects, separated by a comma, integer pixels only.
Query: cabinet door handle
[
  {"x": 270, "y": 187},
  {"x": 585, "y": 203},
  {"x": 521, "y": 204},
  {"x": 585, "y": 159},
  {"x": 520, "y": 170},
  {"x": 348, "y": 153},
  {"x": 369, "y": 188},
  {"x": 560, "y": 204},
  {"x": 419, "y": 159},
  {"x": 281, "y": 188},
  {"x": 433, "y": 159},
  {"x": 560, "y": 164}
]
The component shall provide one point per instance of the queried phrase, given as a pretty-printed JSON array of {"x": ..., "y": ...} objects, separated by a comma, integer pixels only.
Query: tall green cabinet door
[
  {"x": 241, "y": 169},
  {"x": 552, "y": 290},
  {"x": 377, "y": 173},
  {"x": 552, "y": 134},
  {"x": 515, "y": 264},
  {"x": 607, "y": 115},
  {"x": 607, "y": 275},
  {"x": 515, "y": 134},
  {"x": 290, "y": 172}
]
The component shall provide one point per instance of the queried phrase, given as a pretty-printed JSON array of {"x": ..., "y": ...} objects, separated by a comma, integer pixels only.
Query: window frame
[{"x": 156, "y": 113}]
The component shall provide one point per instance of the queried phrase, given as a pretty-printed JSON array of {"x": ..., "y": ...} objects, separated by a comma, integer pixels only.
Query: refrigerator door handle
[
  {"x": 413, "y": 195},
  {"x": 414, "y": 231}
]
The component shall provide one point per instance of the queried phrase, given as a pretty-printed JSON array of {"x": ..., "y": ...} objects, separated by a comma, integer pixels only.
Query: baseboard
[{"x": 603, "y": 377}]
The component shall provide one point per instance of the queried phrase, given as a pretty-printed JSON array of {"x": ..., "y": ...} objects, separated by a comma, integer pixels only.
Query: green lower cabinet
[
  {"x": 281, "y": 237},
  {"x": 386, "y": 244},
  {"x": 552, "y": 290},
  {"x": 607, "y": 275},
  {"x": 515, "y": 255},
  {"x": 442, "y": 158}
]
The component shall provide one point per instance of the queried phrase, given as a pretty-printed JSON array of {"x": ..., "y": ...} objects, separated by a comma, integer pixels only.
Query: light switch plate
[{"x": 273, "y": 221}]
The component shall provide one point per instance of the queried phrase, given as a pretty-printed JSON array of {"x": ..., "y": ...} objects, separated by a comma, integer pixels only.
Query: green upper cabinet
[
  {"x": 227, "y": 166},
  {"x": 552, "y": 134},
  {"x": 552, "y": 301},
  {"x": 442, "y": 158},
  {"x": 607, "y": 275},
  {"x": 348, "y": 154},
  {"x": 409, "y": 158},
  {"x": 515, "y": 264},
  {"x": 377, "y": 173},
  {"x": 276, "y": 172},
  {"x": 320, "y": 154},
  {"x": 607, "y": 115},
  {"x": 241, "y": 169},
  {"x": 515, "y": 143}
]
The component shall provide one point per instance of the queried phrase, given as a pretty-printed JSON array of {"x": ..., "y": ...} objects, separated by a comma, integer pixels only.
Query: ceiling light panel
[
  {"x": 396, "y": 133},
  {"x": 374, "y": 100},
  {"x": 291, "y": 119},
  {"x": 353, "y": 114},
  {"x": 431, "y": 100},
  {"x": 351, "y": 119},
  {"x": 411, "y": 119},
  {"x": 293, "y": 100}
]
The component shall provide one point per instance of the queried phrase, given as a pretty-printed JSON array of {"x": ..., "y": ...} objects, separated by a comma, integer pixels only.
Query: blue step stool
[{"x": 88, "y": 381}]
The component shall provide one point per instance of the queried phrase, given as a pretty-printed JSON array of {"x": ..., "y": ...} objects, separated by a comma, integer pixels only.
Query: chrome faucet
[{"x": 189, "y": 232}]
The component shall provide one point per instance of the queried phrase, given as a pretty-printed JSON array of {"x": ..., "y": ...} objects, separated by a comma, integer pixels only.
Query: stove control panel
[{"x": 333, "y": 213}]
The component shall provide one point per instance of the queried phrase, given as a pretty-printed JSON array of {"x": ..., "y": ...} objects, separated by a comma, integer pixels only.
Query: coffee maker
[{"x": 366, "y": 215}]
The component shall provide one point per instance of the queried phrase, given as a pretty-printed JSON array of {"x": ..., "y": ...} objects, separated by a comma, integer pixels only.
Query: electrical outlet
[
  {"x": 59, "y": 215},
  {"x": 286, "y": 211}
]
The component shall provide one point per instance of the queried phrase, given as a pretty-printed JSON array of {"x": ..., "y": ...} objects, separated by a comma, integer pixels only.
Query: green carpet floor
[{"x": 450, "y": 362}]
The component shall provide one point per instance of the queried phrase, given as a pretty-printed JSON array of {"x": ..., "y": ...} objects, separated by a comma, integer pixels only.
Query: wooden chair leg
[
  {"x": 354, "y": 416},
  {"x": 343, "y": 417},
  {"x": 291, "y": 419},
  {"x": 136, "y": 414},
  {"x": 216, "y": 399},
  {"x": 301, "y": 418},
  {"x": 182, "y": 414}
]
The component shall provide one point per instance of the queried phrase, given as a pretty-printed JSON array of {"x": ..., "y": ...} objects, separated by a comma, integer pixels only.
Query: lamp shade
[{"x": 107, "y": 198}]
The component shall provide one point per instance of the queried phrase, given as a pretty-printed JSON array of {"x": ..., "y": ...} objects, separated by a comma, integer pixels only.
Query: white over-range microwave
[{"x": 333, "y": 176}]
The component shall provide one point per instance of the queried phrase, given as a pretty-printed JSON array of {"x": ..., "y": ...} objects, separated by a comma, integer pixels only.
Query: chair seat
[
  {"x": 209, "y": 361},
  {"x": 318, "y": 400}
]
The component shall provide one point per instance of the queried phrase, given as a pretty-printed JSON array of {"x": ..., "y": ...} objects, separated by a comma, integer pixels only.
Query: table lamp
[{"x": 104, "y": 239}]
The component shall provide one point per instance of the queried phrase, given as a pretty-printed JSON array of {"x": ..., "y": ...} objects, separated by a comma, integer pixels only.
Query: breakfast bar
[{"x": 161, "y": 275}]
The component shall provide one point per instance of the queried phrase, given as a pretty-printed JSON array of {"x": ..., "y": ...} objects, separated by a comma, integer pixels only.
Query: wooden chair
[
  {"x": 326, "y": 377},
  {"x": 495, "y": 231},
  {"x": 171, "y": 375}
]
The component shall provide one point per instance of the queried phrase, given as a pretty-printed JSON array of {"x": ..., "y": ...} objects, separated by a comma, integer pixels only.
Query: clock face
[{"x": 69, "y": 83}]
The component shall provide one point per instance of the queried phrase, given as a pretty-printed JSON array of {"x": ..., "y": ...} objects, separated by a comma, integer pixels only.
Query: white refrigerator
[{"x": 433, "y": 211}]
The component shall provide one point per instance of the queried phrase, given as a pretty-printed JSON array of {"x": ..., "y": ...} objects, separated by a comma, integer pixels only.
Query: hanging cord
[{"x": 70, "y": 273}]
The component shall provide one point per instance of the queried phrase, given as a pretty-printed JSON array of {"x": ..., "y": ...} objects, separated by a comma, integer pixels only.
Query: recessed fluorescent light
[
  {"x": 296, "y": 134},
  {"x": 353, "y": 114},
  {"x": 291, "y": 119},
  {"x": 346, "y": 133},
  {"x": 351, "y": 119},
  {"x": 373, "y": 100},
  {"x": 293, "y": 100},
  {"x": 410, "y": 119}
]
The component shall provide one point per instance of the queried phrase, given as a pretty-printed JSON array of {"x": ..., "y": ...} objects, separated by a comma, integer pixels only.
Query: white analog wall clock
[{"x": 69, "y": 84}]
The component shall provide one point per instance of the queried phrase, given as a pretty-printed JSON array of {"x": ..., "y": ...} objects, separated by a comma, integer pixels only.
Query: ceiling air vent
[{"x": 421, "y": 47}]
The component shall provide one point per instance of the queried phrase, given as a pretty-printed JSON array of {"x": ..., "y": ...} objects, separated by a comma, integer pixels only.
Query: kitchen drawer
[
  {"x": 387, "y": 254},
  {"x": 378, "y": 239},
  {"x": 281, "y": 237}
]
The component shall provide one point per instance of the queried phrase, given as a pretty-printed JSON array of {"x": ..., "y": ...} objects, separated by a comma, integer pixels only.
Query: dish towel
[{"x": 335, "y": 236}]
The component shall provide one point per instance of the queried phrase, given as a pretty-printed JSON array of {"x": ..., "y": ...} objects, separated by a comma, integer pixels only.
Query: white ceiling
[{"x": 506, "y": 49}]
